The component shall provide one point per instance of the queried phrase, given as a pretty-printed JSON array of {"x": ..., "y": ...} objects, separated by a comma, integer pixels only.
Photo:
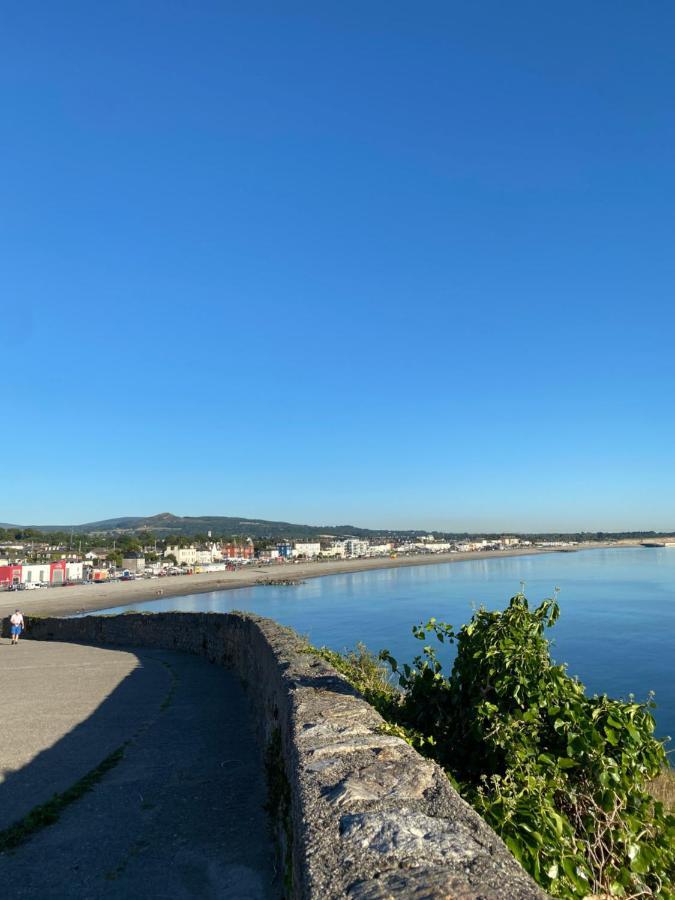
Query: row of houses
[
  {"x": 350, "y": 548},
  {"x": 216, "y": 554},
  {"x": 49, "y": 573},
  {"x": 211, "y": 553}
]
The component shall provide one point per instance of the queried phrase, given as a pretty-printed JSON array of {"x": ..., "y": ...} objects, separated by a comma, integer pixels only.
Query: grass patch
[
  {"x": 168, "y": 700},
  {"x": 364, "y": 671},
  {"x": 48, "y": 813}
]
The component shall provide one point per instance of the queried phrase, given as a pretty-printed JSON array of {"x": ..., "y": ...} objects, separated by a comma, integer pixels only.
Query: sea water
[{"x": 616, "y": 630}]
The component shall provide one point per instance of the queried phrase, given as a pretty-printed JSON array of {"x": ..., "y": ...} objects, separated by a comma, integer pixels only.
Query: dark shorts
[{"x": 16, "y": 629}]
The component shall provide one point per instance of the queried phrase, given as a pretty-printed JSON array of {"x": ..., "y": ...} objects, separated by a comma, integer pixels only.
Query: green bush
[{"x": 561, "y": 776}]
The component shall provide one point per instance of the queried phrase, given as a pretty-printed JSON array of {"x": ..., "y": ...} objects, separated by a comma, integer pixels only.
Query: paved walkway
[{"x": 180, "y": 816}]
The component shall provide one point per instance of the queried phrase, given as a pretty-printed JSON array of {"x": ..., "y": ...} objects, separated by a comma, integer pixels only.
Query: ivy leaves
[{"x": 561, "y": 776}]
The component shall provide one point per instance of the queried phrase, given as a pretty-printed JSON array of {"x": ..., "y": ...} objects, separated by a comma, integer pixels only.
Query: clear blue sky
[{"x": 382, "y": 263}]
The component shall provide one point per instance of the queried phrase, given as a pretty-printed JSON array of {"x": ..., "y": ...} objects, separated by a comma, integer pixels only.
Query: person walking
[{"x": 17, "y": 624}]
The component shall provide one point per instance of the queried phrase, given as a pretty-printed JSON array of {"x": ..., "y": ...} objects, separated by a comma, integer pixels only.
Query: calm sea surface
[{"x": 616, "y": 630}]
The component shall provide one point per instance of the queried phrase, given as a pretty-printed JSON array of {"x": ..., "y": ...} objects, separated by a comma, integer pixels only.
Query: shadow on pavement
[{"x": 54, "y": 769}]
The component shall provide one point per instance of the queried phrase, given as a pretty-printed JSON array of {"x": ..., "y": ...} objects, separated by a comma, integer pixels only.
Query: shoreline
[{"x": 80, "y": 598}]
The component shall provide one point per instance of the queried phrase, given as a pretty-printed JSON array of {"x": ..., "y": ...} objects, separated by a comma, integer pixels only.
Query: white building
[
  {"x": 309, "y": 549},
  {"x": 96, "y": 553},
  {"x": 204, "y": 557},
  {"x": 434, "y": 546},
  {"x": 37, "y": 573},
  {"x": 187, "y": 555},
  {"x": 267, "y": 555},
  {"x": 74, "y": 571},
  {"x": 472, "y": 546},
  {"x": 406, "y": 547},
  {"x": 209, "y": 553},
  {"x": 355, "y": 548},
  {"x": 334, "y": 550},
  {"x": 379, "y": 549}
]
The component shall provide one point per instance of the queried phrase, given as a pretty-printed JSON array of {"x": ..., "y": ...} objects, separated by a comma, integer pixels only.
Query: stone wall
[{"x": 360, "y": 813}]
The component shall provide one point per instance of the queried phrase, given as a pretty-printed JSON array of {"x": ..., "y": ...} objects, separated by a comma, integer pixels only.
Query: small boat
[{"x": 652, "y": 544}]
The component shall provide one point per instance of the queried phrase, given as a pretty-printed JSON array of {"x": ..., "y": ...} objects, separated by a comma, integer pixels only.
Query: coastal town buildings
[
  {"x": 134, "y": 562},
  {"x": 306, "y": 549},
  {"x": 471, "y": 546},
  {"x": 379, "y": 549},
  {"x": 333, "y": 550},
  {"x": 355, "y": 547},
  {"x": 193, "y": 555},
  {"x": 433, "y": 546},
  {"x": 96, "y": 553},
  {"x": 183, "y": 555},
  {"x": 243, "y": 550},
  {"x": 35, "y": 574},
  {"x": 203, "y": 557},
  {"x": 269, "y": 555},
  {"x": 10, "y": 575},
  {"x": 50, "y": 573},
  {"x": 74, "y": 571},
  {"x": 33, "y": 564}
]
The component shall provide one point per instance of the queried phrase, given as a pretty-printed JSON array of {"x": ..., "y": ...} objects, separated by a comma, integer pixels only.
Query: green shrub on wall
[{"x": 559, "y": 775}]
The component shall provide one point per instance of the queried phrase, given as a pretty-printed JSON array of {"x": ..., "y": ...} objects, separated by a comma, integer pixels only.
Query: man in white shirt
[{"x": 16, "y": 622}]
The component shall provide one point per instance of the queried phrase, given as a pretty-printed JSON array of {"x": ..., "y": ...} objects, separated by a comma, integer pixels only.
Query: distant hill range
[{"x": 166, "y": 524}]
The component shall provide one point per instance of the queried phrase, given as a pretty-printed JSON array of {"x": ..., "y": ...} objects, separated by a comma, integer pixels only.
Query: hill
[{"x": 167, "y": 524}]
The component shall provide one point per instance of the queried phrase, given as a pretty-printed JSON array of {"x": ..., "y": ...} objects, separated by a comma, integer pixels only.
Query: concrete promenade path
[{"x": 181, "y": 812}]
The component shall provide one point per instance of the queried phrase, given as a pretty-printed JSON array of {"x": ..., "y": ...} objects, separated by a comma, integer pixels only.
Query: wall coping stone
[{"x": 368, "y": 818}]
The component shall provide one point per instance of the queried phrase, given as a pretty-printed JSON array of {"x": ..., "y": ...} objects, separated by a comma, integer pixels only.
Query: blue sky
[{"x": 382, "y": 263}]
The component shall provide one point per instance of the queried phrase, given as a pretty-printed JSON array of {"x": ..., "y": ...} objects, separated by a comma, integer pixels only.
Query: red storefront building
[
  {"x": 14, "y": 575},
  {"x": 9, "y": 575}
]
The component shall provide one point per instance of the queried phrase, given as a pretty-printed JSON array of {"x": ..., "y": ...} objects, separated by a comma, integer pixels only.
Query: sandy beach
[{"x": 64, "y": 601}]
